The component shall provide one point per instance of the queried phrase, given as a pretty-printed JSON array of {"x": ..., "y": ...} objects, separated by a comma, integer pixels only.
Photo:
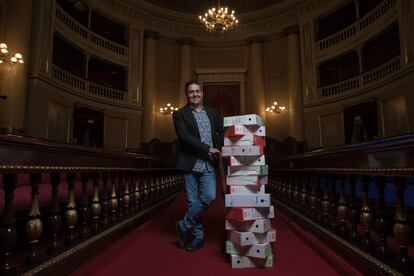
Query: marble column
[
  {"x": 16, "y": 33},
  {"x": 256, "y": 97},
  {"x": 295, "y": 84},
  {"x": 185, "y": 67},
  {"x": 150, "y": 86}
]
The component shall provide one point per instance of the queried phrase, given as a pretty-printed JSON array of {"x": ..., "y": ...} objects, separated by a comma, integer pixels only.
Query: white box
[
  {"x": 258, "y": 250},
  {"x": 242, "y": 151},
  {"x": 249, "y": 214},
  {"x": 246, "y": 180},
  {"x": 241, "y": 261},
  {"x": 247, "y": 160},
  {"x": 256, "y": 226},
  {"x": 237, "y": 130},
  {"x": 246, "y": 190},
  {"x": 232, "y": 200},
  {"x": 250, "y": 238},
  {"x": 247, "y": 170},
  {"x": 245, "y": 140},
  {"x": 250, "y": 119}
]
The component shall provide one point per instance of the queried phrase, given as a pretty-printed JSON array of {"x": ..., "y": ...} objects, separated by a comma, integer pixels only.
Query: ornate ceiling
[{"x": 191, "y": 6}]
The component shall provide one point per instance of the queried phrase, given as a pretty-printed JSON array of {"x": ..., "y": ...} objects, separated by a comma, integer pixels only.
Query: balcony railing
[
  {"x": 84, "y": 33},
  {"x": 358, "y": 26},
  {"x": 87, "y": 87},
  {"x": 364, "y": 80}
]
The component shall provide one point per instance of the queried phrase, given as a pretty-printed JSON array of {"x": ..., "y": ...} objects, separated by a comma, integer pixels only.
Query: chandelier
[
  {"x": 6, "y": 58},
  {"x": 218, "y": 19},
  {"x": 275, "y": 108}
]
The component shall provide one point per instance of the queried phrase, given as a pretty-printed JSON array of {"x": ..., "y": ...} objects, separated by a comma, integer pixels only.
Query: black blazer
[{"x": 191, "y": 147}]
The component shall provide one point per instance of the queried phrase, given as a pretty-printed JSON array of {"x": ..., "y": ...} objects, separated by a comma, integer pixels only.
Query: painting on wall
[{"x": 224, "y": 97}]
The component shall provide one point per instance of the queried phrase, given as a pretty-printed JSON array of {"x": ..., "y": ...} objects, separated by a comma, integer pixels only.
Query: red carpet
[{"x": 151, "y": 250}]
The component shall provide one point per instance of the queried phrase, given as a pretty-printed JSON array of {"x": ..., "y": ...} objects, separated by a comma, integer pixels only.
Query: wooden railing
[
  {"x": 57, "y": 200},
  {"x": 356, "y": 198}
]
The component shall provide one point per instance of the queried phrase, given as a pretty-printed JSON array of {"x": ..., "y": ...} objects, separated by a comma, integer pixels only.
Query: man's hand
[{"x": 213, "y": 150}]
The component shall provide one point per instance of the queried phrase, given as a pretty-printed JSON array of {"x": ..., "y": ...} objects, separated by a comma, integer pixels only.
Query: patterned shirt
[{"x": 204, "y": 128}]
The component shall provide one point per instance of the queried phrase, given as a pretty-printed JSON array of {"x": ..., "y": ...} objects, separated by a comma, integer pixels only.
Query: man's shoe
[
  {"x": 194, "y": 245},
  {"x": 181, "y": 235}
]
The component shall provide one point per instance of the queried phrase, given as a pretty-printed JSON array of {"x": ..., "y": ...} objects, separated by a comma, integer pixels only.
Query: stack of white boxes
[{"x": 248, "y": 207}]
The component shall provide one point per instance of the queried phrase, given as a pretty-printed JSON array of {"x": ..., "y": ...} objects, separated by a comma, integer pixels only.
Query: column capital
[
  {"x": 291, "y": 30},
  {"x": 151, "y": 34},
  {"x": 256, "y": 39},
  {"x": 185, "y": 41}
]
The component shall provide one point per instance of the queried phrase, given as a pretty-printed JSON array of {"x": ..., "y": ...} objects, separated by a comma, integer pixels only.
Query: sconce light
[
  {"x": 275, "y": 108},
  {"x": 6, "y": 58},
  {"x": 11, "y": 60},
  {"x": 169, "y": 109}
]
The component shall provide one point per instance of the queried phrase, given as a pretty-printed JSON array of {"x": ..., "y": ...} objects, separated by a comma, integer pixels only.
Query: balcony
[
  {"x": 362, "y": 81},
  {"x": 87, "y": 88},
  {"x": 88, "y": 39},
  {"x": 367, "y": 26}
]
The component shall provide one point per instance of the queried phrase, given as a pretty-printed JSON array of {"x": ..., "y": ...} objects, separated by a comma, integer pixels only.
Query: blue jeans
[{"x": 201, "y": 192}]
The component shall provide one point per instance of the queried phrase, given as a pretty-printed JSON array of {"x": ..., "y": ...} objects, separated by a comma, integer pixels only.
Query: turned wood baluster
[
  {"x": 71, "y": 214},
  {"x": 325, "y": 200},
  {"x": 342, "y": 209},
  {"x": 96, "y": 208},
  {"x": 8, "y": 233},
  {"x": 34, "y": 225},
  {"x": 295, "y": 190},
  {"x": 312, "y": 197},
  {"x": 282, "y": 185},
  {"x": 132, "y": 191},
  {"x": 106, "y": 208},
  {"x": 121, "y": 203},
  {"x": 332, "y": 203},
  {"x": 146, "y": 192},
  {"x": 401, "y": 229},
  {"x": 381, "y": 223},
  {"x": 55, "y": 219},
  {"x": 126, "y": 196},
  {"x": 113, "y": 198},
  {"x": 366, "y": 217},
  {"x": 290, "y": 183},
  {"x": 84, "y": 210},
  {"x": 161, "y": 188},
  {"x": 137, "y": 194},
  {"x": 319, "y": 195},
  {"x": 152, "y": 190},
  {"x": 353, "y": 209},
  {"x": 304, "y": 193}
]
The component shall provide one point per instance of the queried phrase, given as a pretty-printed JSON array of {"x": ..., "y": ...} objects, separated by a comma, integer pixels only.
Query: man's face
[{"x": 194, "y": 94}]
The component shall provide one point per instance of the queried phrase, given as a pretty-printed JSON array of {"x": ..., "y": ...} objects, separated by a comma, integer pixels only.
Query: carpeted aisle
[{"x": 151, "y": 250}]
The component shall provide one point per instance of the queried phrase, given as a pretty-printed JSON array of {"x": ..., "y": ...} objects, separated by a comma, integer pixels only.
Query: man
[{"x": 200, "y": 132}]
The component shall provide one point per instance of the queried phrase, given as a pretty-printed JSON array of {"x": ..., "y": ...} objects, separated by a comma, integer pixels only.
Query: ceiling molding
[{"x": 177, "y": 24}]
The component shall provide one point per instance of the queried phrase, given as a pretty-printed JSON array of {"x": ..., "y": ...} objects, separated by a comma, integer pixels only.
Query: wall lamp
[
  {"x": 5, "y": 57},
  {"x": 275, "y": 108},
  {"x": 169, "y": 109}
]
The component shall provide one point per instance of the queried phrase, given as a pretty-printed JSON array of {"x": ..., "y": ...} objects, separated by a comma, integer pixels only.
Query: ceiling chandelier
[{"x": 218, "y": 19}]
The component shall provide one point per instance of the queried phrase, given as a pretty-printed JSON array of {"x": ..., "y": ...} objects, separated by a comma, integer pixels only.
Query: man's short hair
[{"x": 188, "y": 83}]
